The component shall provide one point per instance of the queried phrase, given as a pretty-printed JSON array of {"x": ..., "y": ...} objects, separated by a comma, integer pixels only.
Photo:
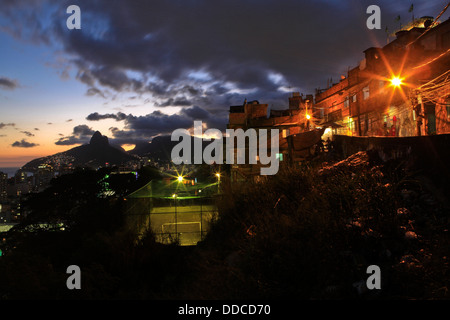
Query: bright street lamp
[{"x": 396, "y": 81}]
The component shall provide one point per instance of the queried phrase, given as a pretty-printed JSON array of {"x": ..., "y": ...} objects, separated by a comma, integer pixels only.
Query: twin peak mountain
[
  {"x": 96, "y": 153},
  {"x": 99, "y": 151}
]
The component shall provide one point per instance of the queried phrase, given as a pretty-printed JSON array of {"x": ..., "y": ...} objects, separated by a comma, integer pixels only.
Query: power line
[
  {"x": 435, "y": 89},
  {"x": 432, "y": 60},
  {"x": 434, "y": 80}
]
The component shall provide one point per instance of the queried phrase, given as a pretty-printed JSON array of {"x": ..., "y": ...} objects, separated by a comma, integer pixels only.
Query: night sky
[{"x": 137, "y": 69}]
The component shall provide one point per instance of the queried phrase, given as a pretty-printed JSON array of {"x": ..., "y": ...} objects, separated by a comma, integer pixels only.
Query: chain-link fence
[{"x": 175, "y": 211}]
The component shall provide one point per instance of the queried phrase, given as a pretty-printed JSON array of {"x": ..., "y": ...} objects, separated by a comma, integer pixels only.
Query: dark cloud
[
  {"x": 24, "y": 144},
  {"x": 35, "y": 30},
  {"x": 96, "y": 116},
  {"x": 86, "y": 78},
  {"x": 240, "y": 42},
  {"x": 144, "y": 128},
  {"x": 70, "y": 141},
  {"x": 83, "y": 130},
  {"x": 174, "y": 102},
  {"x": 116, "y": 79},
  {"x": 81, "y": 134},
  {"x": 2, "y": 125},
  {"x": 156, "y": 122},
  {"x": 196, "y": 113},
  {"x": 28, "y": 133},
  {"x": 6, "y": 83},
  {"x": 95, "y": 91}
]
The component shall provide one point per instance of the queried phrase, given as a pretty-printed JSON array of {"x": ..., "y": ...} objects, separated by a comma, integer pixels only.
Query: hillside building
[
  {"x": 401, "y": 89},
  {"x": 296, "y": 125}
]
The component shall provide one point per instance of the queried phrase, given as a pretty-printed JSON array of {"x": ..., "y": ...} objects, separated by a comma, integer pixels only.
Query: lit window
[
  {"x": 354, "y": 98},
  {"x": 366, "y": 93},
  {"x": 346, "y": 102}
]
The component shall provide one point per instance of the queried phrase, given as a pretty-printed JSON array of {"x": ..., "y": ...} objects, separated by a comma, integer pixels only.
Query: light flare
[{"x": 396, "y": 81}]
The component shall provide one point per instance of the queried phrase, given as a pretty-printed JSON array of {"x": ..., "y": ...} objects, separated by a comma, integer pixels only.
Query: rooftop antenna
[
  {"x": 411, "y": 9},
  {"x": 398, "y": 19},
  {"x": 387, "y": 35}
]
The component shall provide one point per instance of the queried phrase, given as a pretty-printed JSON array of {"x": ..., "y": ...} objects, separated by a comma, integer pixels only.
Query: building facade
[
  {"x": 291, "y": 124},
  {"x": 3, "y": 187},
  {"x": 401, "y": 89}
]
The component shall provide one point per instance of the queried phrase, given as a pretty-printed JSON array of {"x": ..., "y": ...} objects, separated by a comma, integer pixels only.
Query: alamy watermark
[
  {"x": 256, "y": 152},
  {"x": 374, "y": 21},
  {"x": 74, "y": 280},
  {"x": 74, "y": 20}
]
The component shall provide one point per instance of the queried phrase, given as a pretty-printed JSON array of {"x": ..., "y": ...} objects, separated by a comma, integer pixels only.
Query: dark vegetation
[{"x": 308, "y": 232}]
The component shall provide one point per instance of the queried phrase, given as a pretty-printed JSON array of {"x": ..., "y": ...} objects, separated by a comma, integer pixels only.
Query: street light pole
[
  {"x": 174, "y": 196},
  {"x": 307, "y": 116},
  {"x": 218, "y": 182}
]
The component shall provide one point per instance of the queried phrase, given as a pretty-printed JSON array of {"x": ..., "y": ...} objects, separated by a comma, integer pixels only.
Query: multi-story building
[
  {"x": 296, "y": 131},
  {"x": 42, "y": 177},
  {"x": 3, "y": 186},
  {"x": 401, "y": 89}
]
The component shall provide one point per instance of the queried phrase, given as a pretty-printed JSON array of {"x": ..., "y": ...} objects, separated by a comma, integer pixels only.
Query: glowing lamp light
[
  {"x": 218, "y": 175},
  {"x": 308, "y": 116},
  {"x": 180, "y": 178},
  {"x": 396, "y": 81}
]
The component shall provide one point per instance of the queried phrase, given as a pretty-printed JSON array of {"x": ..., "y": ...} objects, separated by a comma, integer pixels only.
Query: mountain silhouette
[
  {"x": 98, "y": 140},
  {"x": 159, "y": 148},
  {"x": 97, "y": 153}
]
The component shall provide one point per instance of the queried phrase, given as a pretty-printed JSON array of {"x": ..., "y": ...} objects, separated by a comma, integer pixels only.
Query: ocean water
[{"x": 10, "y": 171}]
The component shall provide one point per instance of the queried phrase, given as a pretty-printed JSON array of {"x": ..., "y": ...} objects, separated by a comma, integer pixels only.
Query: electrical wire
[
  {"x": 436, "y": 89},
  {"x": 432, "y": 60},
  {"x": 427, "y": 93}
]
